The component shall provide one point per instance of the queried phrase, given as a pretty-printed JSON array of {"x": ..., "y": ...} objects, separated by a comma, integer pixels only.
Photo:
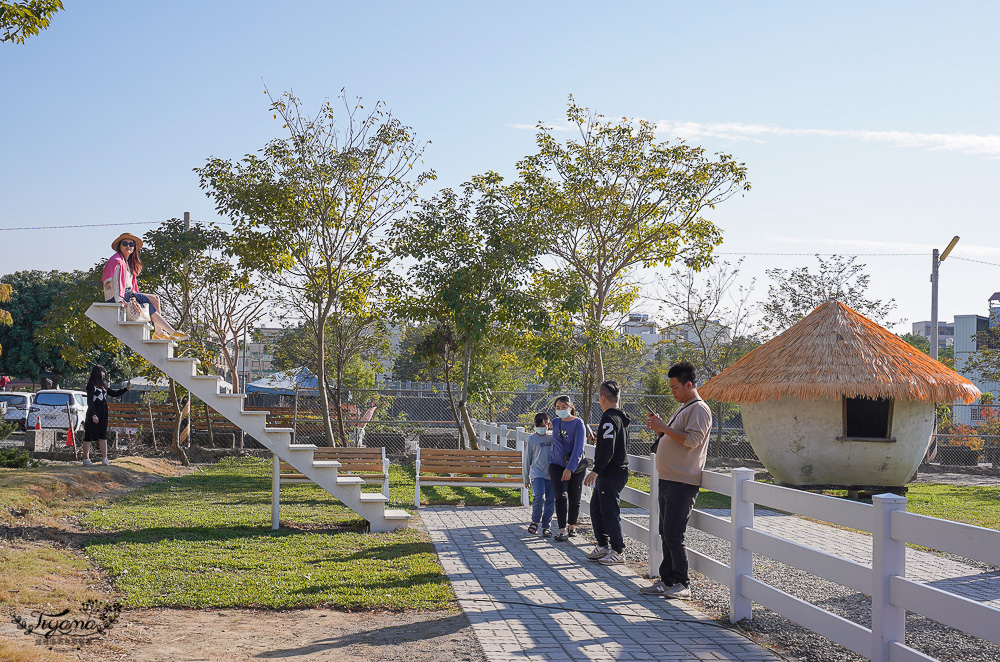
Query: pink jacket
[{"x": 117, "y": 278}]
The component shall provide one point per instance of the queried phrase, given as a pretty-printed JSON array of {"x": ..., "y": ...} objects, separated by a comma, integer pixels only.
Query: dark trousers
[
  {"x": 676, "y": 503},
  {"x": 568, "y": 493},
  {"x": 605, "y": 508}
]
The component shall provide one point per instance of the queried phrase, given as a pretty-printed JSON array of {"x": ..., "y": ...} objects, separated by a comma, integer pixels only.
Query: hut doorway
[{"x": 868, "y": 419}]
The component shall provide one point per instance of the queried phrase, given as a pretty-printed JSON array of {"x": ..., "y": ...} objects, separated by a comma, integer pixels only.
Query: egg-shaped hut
[{"x": 839, "y": 401}]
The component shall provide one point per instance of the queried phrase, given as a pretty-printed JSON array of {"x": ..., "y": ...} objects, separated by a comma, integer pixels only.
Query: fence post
[
  {"x": 519, "y": 438},
  {"x": 491, "y": 443},
  {"x": 655, "y": 547},
  {"x": 275, "y": 489},
  {"x": 502, "y": 438},
  {"x": 888, "y": 559},
  {"x": 740, "y": 559}
]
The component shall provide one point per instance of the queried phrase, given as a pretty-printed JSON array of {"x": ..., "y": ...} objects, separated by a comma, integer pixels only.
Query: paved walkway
[{"x": 531, "y": 599}]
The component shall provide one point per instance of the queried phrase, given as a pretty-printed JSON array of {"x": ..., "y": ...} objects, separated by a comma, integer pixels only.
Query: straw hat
[
  {"x": 836, "y": 352},
  {"x": 126, "y": 235}
]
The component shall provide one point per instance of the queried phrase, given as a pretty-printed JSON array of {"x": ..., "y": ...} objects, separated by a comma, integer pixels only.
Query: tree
[
  {"x": 6, "y": 291},
  {"x": 710, "y": 322},
  {"x": 473, "y": 264},
  {"x": 794, "y": 294},
  {"x": 312, "y": 207},
  {"x": 946, "y": 355},
  {"x": 985, "y": 361},
  {"x": 616, "y": 199},
  {"x": 20, "y": 20}
]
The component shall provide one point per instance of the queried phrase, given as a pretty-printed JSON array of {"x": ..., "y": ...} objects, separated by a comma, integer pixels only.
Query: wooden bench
[
  {"x": 370, "y": 464},
  {"x": 442, "y": 467}
]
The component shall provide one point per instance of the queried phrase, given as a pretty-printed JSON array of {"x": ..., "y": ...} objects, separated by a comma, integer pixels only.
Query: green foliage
[
  {"x": 794, "y": 294},
  {"x": 12, "y": 458},
  {"x": 616, "y": 199},
  {"x": 946, "y": 355},
  {"x": 20, "y": 20},
  {"x": 6, "y": 291},
  {"x": 986, "y": 359}
]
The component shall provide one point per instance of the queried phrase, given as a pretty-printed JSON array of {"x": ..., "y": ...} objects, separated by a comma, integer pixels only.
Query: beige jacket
[{"x": 683, "y": 463}]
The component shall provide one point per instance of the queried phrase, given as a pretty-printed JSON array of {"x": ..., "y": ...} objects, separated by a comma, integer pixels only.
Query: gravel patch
[{"x": 793, "y": 641}]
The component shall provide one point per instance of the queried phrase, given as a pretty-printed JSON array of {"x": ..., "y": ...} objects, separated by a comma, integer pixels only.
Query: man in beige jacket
[{"x": 681, "y": 449}]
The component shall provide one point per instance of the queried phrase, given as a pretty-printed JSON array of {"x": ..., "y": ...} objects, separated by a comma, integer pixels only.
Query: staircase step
[
  {"x": 280, "y": 430},
  {"x": 373, "y": 497},
  {"x": 395, "y": 514},
  {"x": 121, "y": 323},
  {"x": 302, "y": 447},
  {"x": 229, "y": 395},
  {"x": 189, "y": 359},
  {"x": 167, "y": 342},
  {"x": 350, "y": 480},
  {"x": 205, "y": 377},
  {"x": 327, "y": 464},
  {"x": 254, "y": 413},
  {"x": 105, "y": 305}
]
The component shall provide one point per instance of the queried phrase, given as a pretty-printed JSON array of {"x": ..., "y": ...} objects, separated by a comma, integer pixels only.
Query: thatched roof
[{"x": 832, "y": 352}]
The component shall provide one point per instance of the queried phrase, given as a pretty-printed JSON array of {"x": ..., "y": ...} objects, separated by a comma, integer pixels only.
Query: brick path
[{"x": 571, "y": 608}]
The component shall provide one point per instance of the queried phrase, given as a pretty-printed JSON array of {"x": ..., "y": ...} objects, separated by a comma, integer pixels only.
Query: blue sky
[{"x": 866, "y": 127}]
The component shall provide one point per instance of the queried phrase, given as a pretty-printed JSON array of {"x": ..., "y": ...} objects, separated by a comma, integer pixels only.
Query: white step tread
[
  {"x": 302, "y": 447},
  {"x": 373, "y": 497},
  {"x": 326, "y": 464},
  {"x": 350, "y": 480},
  {"x": 280, "y": 430},
  {"x": 395, "y": 514}
]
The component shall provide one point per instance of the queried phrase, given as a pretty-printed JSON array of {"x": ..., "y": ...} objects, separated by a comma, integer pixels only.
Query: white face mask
[
  {"x": 541, "y": 430},
  {"x": 562, "y": 413}
]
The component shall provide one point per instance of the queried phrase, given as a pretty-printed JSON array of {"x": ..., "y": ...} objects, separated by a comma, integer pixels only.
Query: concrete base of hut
[{"x": 801, "y": 443}]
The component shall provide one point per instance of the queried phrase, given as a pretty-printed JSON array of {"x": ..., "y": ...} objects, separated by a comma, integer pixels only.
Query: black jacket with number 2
[{"x": 612, "y": 440}]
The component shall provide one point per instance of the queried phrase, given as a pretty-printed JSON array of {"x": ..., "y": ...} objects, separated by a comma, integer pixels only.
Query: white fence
[{"x": 884, "y": 581}]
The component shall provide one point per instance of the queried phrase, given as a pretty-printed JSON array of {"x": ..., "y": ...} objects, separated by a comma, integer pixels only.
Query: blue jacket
[
  {"x": 567, "y": 438},
  {"x": 536, "y": 453}
]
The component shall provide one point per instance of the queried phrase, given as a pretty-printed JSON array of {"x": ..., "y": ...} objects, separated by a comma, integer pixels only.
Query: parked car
[
  {"x": 18, "y": 403},
  {"x": 49, "y": 406}
]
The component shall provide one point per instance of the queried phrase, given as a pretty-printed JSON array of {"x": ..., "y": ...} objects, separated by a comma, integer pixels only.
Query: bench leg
[{"x": 385, "y": 472}]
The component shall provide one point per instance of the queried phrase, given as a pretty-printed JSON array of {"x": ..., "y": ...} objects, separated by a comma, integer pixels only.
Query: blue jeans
[
  {"x": 676, "y": 503},
  {"x": 542, "y": 492}
]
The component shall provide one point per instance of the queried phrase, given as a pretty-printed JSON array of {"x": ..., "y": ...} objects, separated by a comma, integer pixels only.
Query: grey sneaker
[
  {"x": 598, "y": 553},
  {"x": 613, "y": 558},
  {"x": 656, "y": 588},
  {"x": 105, "y": 462},
  {"x": 88, "y": 462},
  {"x": 679, "y": 591}
]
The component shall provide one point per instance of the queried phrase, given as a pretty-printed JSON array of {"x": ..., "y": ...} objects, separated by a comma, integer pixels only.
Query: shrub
[
  {"x": 964, "y": 435},
  {"x": 6, "y": 429},
  {"x": 14, "y": 458}
]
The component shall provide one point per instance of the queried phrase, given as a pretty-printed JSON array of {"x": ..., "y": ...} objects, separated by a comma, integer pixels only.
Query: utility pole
[
  {"x": 935, "y": 263},
  {"x": 187, "y": 221}
]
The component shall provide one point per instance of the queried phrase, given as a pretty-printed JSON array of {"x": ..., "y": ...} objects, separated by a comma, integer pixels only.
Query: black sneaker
[
  {"x": 571, "y": 533},
  {"x": 560, "y": 537}
]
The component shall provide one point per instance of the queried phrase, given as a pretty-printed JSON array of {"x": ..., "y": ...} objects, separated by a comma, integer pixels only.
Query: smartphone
[{"x": 649, "y": 409}]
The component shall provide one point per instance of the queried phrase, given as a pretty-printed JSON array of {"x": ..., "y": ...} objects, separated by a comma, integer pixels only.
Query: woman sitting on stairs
[{"x": 121, "y": 284}]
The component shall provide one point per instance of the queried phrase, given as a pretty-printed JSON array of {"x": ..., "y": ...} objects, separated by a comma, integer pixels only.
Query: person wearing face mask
[
  {"x": 567, "y": 466},
  {"x": 536, "y": 475}
]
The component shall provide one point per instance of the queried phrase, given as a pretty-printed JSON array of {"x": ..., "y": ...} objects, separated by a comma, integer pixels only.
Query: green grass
[
  {"x": 971, "y": 504},
  {"x": 204, "y": 540},
  {"x": 705, "y": 499}
]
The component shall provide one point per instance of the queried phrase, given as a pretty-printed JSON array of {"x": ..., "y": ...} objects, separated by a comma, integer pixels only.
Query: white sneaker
[
  {"x": 105, "y": 462},
  {"x": 598, "y": 553},
  {"x": 656, "y": 588},
  {"x": 679, "y": 591},
  {"x": 613, "y": 558},
  {"x": 88, "y": 462}
]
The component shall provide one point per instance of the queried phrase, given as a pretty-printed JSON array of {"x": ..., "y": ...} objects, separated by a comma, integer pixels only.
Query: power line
[
  {"x": 966, "y": 259},
  {"x": 92, "y": 225}
]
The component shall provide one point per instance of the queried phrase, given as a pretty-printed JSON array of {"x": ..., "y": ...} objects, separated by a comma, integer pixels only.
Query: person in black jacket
[
  {"x": 608, "y": 478},
  {"x": 95, "y": 427}
]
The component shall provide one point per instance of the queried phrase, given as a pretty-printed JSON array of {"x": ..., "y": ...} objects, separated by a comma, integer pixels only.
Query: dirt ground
[{"x": 41, "y": 557}]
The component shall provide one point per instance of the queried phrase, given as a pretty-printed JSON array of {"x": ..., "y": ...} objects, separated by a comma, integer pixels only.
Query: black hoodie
[{"x": 612, "y": 436}]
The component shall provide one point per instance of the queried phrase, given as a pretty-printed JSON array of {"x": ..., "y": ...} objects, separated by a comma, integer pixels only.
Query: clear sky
[{"x": 866, "y": 127}]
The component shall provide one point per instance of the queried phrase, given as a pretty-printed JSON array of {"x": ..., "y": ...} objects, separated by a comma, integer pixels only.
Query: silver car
[
  {"x": 53, "y": 406},
  {"x": 17, "y": 406}
]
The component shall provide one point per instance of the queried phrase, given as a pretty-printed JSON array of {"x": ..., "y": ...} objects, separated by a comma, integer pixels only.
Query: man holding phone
[{"x": 681, "y": 449}]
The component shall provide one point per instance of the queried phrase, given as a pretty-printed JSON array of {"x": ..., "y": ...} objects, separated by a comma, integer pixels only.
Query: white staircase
[{"x": 347, "y": 489}]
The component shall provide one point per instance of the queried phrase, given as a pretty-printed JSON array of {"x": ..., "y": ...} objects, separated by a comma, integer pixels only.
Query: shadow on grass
[
  {"x": 380, "y": 636},
  {"x": 409, "y": 582},
  {"x": 154, "y": 535},
  {"x": 383, "y": 552}
]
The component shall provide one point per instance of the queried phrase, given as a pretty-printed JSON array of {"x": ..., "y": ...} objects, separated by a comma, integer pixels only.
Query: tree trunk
[
  {"x": 324, "y": 396},
  {"x": 338, "y": 400},
  {"x": 463, "y": 405},
  {"x": 454, "y": 411},
  {"x": 179, "y": 409},
  {"x": 208, "y": 424},
  {"x": 718, "y": 433}
]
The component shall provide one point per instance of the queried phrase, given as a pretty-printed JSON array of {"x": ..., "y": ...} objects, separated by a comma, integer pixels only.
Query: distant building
[
  {"x": 946, "y": 332},
  {"x": 639, "y": 324}
]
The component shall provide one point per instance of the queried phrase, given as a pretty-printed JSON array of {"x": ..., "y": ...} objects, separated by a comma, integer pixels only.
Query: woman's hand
[
  {"x": 94, "y": 418},
  {"x": 567, "y": 474},
  {"x": 527, "y": 484}
]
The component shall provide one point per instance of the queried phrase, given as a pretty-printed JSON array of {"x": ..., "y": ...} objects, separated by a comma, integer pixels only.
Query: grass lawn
[{"x": 204, "y": 540}]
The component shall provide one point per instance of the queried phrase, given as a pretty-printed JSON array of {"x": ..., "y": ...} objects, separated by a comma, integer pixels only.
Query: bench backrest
[
  {"x": 351, "y": 459},
  {"x": 449, "y": 461}
]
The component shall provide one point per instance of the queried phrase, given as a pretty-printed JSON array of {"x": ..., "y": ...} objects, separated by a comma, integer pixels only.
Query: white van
[
  {"x": 50, "y": 406},
  {"x": 17, "y": 406}
]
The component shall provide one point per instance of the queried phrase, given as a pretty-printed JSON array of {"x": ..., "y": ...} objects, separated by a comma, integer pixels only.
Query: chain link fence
[{"x": 401, "y": 419}]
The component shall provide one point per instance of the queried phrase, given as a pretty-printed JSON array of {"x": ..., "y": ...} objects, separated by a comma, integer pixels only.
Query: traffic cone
[
  {"x": 69, "y": 435},
  {"x": 38, "y": 423}
]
